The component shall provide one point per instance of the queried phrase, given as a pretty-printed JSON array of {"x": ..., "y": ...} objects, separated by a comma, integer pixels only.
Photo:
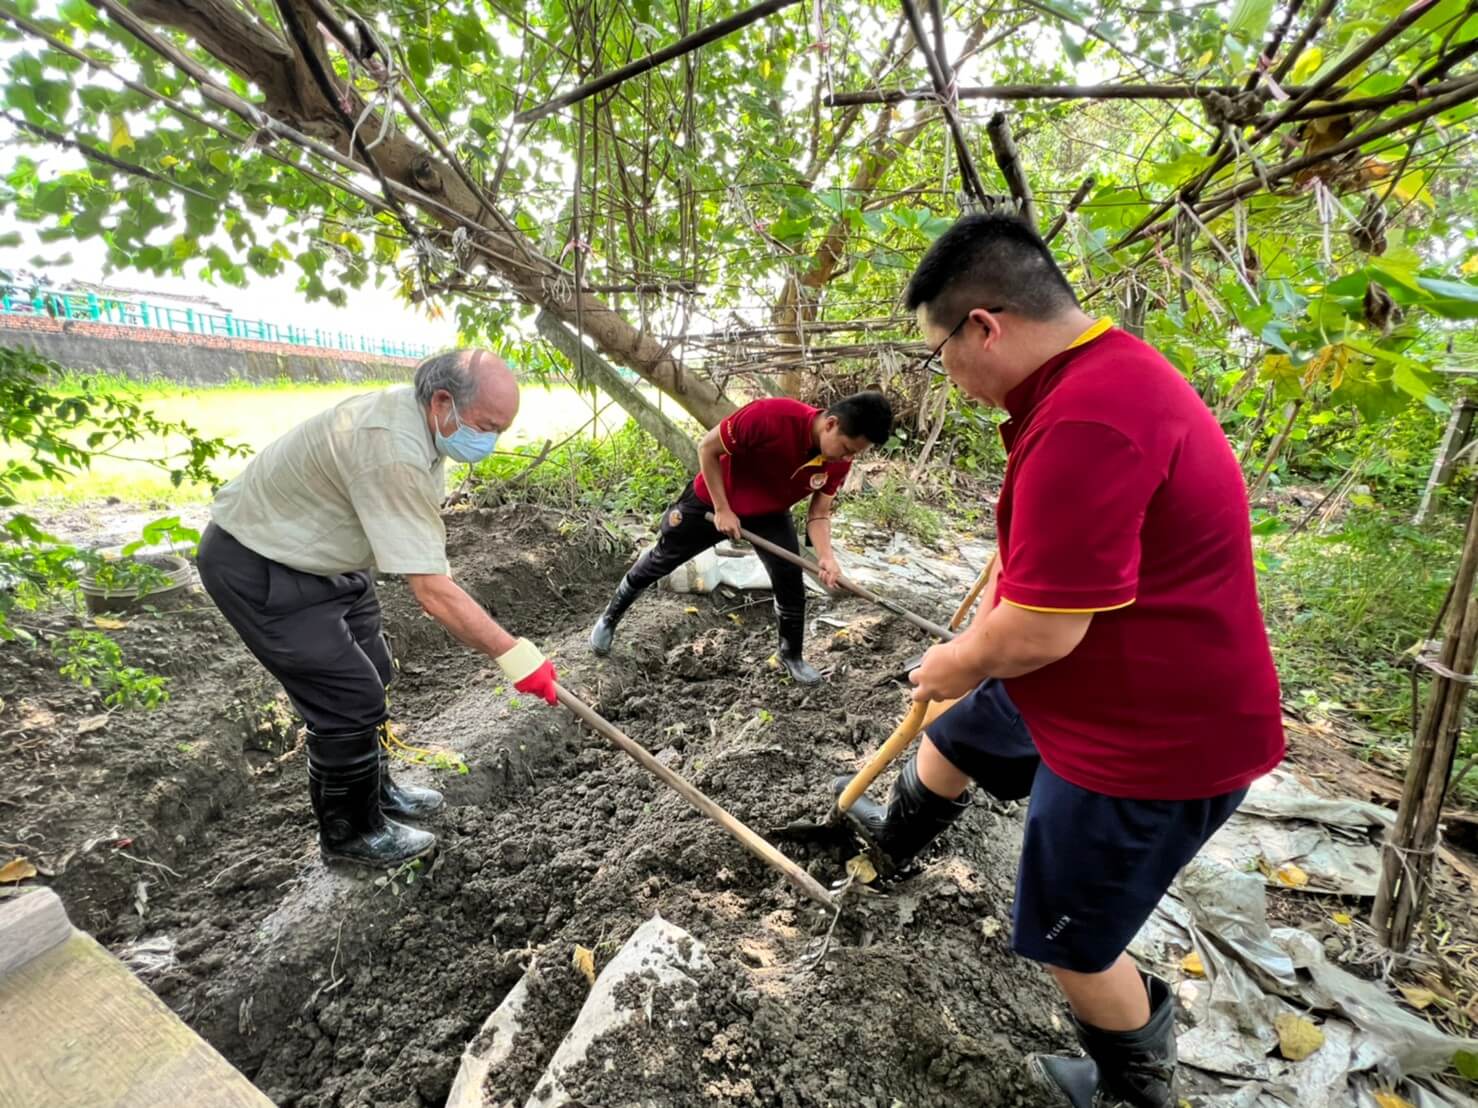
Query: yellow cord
[{"x": 417, "y": 755}]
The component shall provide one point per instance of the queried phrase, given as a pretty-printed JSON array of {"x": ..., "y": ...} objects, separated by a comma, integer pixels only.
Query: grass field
[{"x": 252, "y": 415}]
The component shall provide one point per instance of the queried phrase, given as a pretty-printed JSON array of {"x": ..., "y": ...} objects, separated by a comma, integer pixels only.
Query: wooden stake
[
  {"x": 750, "y": 840},
  {"x": 1406, "y": 866}
]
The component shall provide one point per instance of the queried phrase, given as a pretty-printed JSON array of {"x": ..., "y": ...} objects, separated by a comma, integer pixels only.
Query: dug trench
[{"x": 182, "y": 837}]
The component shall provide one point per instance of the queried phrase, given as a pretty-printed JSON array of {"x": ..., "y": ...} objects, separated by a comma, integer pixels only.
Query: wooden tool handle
[
  {"x": 871, "y": 597},
  {"x": 974, "y": 594},
  {"x": 752, "y": 842},
  {"x": 897, "y": 743}
]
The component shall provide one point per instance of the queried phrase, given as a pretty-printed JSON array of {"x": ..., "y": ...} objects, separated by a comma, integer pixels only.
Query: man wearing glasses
[{"x": 1118, "y": 673}]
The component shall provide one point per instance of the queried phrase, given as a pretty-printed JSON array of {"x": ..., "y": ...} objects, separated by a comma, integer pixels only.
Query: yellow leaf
[
  {"x": 169, "y": 161},
  {"x": 764, "y": 69},
  {"x": 1470, "y": 266},
  {"x": 1307, "y": 65},
  {"x": 773, "y": 661},
  {"x": 1193, "y": 965},
  {"x": 1297, "y": 1037},
  {"x": 1417, "y": 996},
  {"x": 1203, "y": 60},
  {"x": 1344, "y": 919},
  {"x": 897, "y": 560},
  {"x": 1290, "y": 875},
  {"x": 17, "y": 869},
  {"x": 584, "y": 961},
  {"x": 109, "y": 624},
  {"x": 735, "y": 617},
  {"x": 690, "y": 611},
  {"x": 1391, "y": 1100},
  {"x": 861, "y": 869},
  {"x": 121, "y": 139}
]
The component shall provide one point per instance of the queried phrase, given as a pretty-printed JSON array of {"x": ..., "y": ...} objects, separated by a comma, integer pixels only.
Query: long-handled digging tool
[
  {"x": 750, "y": 840},
  {"x": 835, "y": 829},
  {"x": 843, "y": 582},
  {"x": 965, "y": 605}
]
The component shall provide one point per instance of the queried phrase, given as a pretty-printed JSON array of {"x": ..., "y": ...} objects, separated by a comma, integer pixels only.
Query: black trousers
[
  {"x": 685, "y": 533},
  {"x": 321, "y": 637}
]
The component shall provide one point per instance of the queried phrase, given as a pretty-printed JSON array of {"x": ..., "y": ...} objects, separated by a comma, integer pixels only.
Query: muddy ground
[{"x": 182, "y": 837}]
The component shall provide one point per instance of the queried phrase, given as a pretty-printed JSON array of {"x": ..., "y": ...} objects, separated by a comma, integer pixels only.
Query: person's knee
[{"x": 938, "y": 774}]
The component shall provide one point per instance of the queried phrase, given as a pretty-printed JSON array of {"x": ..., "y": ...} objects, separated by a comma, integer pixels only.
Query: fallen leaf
[
  {"x": 1391, "y": 1100},
  {"x": 109, "y": 624},
  {"x": 690, "y": 611},
  {"x": 17, "y": 869},
  {"x": 773, "y": 661},
  {"x": 1290, "y": 875},
  {"x": 897, "y": 560},
  {"x": 861, "y": 869},
  {"x": 1417, "y": 996},
  {"x": 1193, "y": 965},
  {"x": 735, "y": 617},
  {"x": 1297, "y": 1036},
  {"x": 92, "y": 723},
  {"x": 990, "y": 927},
  {"x": 584, "y": 961},
  {"x": 1344, "y": 919}
]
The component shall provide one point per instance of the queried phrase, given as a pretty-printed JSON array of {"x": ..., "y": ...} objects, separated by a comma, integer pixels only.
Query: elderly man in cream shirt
[{"x": 290, "y": 556}]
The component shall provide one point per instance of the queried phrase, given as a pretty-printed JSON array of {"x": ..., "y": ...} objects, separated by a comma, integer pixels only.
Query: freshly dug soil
[{"x": 339, "y": 988}]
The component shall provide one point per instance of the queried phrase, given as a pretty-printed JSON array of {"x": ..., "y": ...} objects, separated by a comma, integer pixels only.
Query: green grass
[
  {"x": 253, "y": 415},
  {"x": 1344, "y": 609}
]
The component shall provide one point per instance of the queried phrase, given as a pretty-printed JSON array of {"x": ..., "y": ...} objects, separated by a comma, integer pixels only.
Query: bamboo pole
[
  {"x": 750, "y": 840},
  {"x": 1072, "y": 205},
  {"x": 1009, "y": 163},
  {"x": 685, "y": 45},
  {"x": 1406, "y": 864}
]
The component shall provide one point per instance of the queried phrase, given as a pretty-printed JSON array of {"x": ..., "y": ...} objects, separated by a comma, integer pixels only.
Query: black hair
[
  {"x": 865, "y": 413},
  {"x": 994, "y": 261}
]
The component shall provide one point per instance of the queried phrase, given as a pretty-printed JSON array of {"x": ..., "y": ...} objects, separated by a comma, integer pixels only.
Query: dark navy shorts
[{"x": 1093, "y": 867}]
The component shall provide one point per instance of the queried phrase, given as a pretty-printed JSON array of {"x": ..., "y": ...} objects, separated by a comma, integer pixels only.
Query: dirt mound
[{"x": 330, "y": 988}]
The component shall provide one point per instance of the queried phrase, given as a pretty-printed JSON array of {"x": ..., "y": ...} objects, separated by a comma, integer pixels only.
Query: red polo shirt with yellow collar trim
[
  {"x": 770, "y": 458},
  {"x": 1122, "y": 497}
]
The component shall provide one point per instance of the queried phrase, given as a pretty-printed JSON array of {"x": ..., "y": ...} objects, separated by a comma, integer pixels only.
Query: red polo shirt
[
  {"x": 770, "y": 458},
  {"x": 1122, "y": 497}
]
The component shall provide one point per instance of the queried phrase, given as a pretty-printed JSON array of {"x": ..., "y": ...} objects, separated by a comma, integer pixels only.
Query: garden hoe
[{"x": 836, "y": 829}]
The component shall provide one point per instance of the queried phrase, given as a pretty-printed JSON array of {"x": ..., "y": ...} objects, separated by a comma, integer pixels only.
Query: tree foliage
[{"x": 715, "y": 223}]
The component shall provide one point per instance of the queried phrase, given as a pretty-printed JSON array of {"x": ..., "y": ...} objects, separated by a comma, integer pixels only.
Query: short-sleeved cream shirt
[{"x": 359, "y": 485}]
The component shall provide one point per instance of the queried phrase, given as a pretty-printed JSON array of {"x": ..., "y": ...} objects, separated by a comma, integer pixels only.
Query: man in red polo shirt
[
  {"x": 754, "y": 465},
  {"x": 1118, "y": 672}
]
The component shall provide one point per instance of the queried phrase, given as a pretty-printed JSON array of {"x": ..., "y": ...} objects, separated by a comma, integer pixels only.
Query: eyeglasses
[{"x": 933, "y": 357}]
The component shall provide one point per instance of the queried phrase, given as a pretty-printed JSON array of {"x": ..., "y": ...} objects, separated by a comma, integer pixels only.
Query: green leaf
[
  {"x": 419, "y": 58},
  {"x": 1449, "y": 290},
  {"x": 1250, "y": 19},
  {"x": 1071, "y": 48},
  {"x": 1466, "y": 1063}
]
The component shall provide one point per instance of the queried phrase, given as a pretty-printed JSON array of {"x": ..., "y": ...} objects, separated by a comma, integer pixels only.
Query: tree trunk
[
  {"x": 653, "y": 422},
  {"x": 238, "y": 40}
]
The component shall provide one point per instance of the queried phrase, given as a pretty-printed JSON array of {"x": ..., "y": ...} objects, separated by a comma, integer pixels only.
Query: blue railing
[{"x": 89, "y": 307}]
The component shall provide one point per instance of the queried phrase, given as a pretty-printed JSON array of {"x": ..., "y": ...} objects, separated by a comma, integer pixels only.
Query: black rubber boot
[
  {"x": 912, "y": 819},
  {"x": 1123, "y": 1069},
  {"x": 405, "y": 801},
  {"x": 344, "y": 783},
  {"x": 605, "y": 628},
  {"x": 792, "y": 638}
]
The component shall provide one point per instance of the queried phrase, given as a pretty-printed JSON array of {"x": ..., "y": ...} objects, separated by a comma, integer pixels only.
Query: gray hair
[{"x": 447, "y": 371}]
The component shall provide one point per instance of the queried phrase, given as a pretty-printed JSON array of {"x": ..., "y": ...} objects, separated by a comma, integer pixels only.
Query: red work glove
[{"x": 529, "y": 671}]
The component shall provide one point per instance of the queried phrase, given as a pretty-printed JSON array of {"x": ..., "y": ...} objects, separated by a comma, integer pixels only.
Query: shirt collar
[{"x": 1024, "y": 397}]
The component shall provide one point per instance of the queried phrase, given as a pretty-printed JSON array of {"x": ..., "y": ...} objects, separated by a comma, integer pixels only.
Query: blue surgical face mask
[{"x": 465, "y": 444}]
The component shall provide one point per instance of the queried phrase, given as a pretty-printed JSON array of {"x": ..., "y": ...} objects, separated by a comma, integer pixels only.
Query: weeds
[
  {"x": 894, "y": 506},
  {"x": 91, "y": 659}
]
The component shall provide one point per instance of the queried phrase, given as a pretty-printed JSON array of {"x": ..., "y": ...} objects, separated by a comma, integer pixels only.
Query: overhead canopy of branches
[{"x": 1277, "y": 192}]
